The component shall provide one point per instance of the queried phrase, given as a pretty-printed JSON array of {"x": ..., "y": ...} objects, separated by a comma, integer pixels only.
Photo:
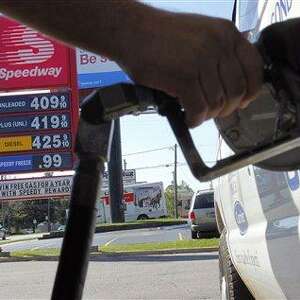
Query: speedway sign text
[
  {"x": 29, "y": 59},
  {"x": 35, "y": 188}
]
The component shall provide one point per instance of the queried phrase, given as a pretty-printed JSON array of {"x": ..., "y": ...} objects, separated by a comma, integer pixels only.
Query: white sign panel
[
  {"x": 35, "y": 188},
  {"x": 97, "y": 71},
  {"x": 129, "y": 177}
]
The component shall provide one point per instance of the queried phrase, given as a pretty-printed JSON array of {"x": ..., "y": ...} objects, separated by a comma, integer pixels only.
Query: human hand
[{"x": 204, "y": 62}]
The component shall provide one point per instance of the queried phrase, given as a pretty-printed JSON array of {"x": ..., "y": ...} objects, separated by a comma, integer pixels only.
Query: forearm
[{"x": 102, "y": 26}]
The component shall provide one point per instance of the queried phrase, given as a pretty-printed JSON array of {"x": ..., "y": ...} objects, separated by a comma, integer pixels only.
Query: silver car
[{"x": 202, "y": 213}]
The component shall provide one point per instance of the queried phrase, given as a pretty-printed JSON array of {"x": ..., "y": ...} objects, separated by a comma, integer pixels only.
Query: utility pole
[
  {"x": 116, "y": 176},
  {"x": 125, "y": 164},
  {"x": 48, "y": 215},
  {"x": 175, "y": 182}
]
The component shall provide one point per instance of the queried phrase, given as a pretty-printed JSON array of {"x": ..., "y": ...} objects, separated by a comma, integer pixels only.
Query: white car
[{"x": 257, "y": 211}]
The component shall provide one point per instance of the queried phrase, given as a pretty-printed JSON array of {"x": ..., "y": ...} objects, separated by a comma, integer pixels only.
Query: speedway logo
[
  {"x": 32, "y": 48},
  {"x": 29, "y": 59},
  {"x": 34, "y": 72}
]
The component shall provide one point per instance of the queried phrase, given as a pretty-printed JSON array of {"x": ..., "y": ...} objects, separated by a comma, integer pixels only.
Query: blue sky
[{"x": 148, "y": 132}]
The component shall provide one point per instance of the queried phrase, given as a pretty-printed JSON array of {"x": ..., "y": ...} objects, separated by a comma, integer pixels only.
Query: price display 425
[
  {"x": 35, "y": 142},
  {"x": 51, "y": 141}
]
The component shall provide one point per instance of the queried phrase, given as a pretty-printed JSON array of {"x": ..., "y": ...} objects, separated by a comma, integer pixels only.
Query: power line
[
  {"x": 159, "y": 149},
  {"x": 179, "y": 164},
  {"x": 150, "y": 150},
  {"x": 160, "y": 166}
]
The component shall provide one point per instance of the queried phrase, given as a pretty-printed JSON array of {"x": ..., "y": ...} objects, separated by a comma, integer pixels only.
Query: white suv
[{"x": 202, "y": 213}]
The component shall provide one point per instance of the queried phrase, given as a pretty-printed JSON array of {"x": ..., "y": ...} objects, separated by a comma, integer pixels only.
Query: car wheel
[
  {"x": 194, "y": 234},
  {"x": 142, "y": 217},
  {"x": 231, "y": 285}
]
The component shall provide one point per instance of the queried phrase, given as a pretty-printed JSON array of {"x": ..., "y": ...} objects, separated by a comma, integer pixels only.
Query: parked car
[
  {"x": 3, "y": 232},
  {"x": 202, "y": 213},
  {"x": 61, "y": 228}
]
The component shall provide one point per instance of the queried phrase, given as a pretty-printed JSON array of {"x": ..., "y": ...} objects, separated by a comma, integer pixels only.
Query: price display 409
[{"x": 35, "y": 102}]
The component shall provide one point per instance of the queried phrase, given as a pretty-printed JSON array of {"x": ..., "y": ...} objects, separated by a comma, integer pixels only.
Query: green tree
[
  {"x": 169, "y": 195},
  {"x": 19, "y": 215}
]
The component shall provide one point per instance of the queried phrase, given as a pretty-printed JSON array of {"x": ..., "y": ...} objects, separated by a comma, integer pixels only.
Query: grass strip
[
  {"x": 117, "y": 248},
  {"x": 149, "y": 221},
  {"x": 48, "y": 252},
  {"x": 183, "y": 244}
]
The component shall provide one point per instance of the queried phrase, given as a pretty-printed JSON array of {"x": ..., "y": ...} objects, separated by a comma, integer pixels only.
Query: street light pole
[{"x": 116, "y": 176}]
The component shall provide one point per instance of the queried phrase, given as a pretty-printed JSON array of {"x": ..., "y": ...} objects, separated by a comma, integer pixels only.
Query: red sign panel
[
  {"x": 127, "y": 198},
  {"x": 29, "y": 59}
]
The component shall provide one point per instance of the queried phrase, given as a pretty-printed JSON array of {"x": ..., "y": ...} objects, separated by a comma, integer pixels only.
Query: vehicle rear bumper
[{"x": 204, "y": 227}]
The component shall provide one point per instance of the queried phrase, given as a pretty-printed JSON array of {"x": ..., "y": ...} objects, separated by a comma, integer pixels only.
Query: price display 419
[{"x": 16, "y": 124}]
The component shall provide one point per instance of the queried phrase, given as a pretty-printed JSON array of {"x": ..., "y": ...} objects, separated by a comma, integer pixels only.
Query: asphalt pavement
[
  {"x": 146, "y": 235},
  {"x": 181, "y": 276}
]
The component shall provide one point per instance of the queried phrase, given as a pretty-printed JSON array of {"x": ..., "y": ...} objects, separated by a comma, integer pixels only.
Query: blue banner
[{"x": 91, "y": 80}]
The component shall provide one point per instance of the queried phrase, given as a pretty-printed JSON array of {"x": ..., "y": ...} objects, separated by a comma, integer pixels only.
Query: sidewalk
[{"x": 20, "y": 237}]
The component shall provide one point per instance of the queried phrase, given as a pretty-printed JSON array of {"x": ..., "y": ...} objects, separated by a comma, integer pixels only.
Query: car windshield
[{"x": 204, "y": 201}]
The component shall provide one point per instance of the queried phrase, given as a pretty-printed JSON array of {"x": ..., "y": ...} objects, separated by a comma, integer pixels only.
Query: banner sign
[
  {"x": 35, "y": 142},
  {"x": 97, "y": 71},
  {"x": 129, "y": 177},
  {"x": 35, "y": 188},
  {"x": 36, "y": 162},
  {"x": 34, "y": 102},
  {"x": 30, "y": 59}
]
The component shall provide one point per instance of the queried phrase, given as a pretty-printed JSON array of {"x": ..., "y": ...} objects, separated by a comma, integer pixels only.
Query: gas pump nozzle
[{"x": 267, "y": 134}]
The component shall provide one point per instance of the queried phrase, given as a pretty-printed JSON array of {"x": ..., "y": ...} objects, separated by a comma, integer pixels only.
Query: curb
[
  {"x": 57, "y": 234},
  {"x": 94, "y": 253},
  {"x": 168, "y": 251}
]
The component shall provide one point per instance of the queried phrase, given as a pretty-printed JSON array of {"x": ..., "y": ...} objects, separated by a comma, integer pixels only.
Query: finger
[
  {"x": 212, "y": 89},
  {"x": 194, "y": 104},
  {"x": 252, "y": 65},
  {"x": 234, "y": 84}
]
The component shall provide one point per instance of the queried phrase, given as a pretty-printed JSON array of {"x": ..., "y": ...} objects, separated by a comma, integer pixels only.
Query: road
[
  {"x": 160, "y": 234},
  {"x": 181, "y": 276}
]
